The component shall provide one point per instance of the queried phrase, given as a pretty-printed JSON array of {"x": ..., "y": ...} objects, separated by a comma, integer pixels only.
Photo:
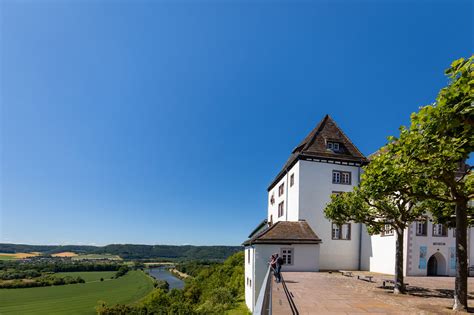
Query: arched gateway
[{"x": 437, "y": 265}]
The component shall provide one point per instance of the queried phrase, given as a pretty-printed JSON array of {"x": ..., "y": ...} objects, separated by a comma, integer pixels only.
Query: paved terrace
[{"x": 325, "y": 293}]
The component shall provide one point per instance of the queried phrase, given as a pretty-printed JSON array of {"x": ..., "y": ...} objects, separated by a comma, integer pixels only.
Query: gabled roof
[
  {"x": 286, "y": 232},
  {"x": 262, "y": 225},
  {"x": 314, "y": 146}
]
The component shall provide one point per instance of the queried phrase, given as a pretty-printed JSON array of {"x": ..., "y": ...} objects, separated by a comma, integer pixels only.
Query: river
[{"x": 162, "y": 273}]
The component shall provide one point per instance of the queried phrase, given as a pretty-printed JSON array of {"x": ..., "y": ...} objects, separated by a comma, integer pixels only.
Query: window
[
  {"x": 341, "y": 231},
  {"x": 340, "y": 177},
  {"x": 387, "y": 230},
  {"x": 422, "y": 228},
  {"x": 281, "y": 209},
  {"x": 272, "y": 199},
  {"x": 281, "y": 189},
  {"x": 248, "y": 256},
  {"x": 439, "y": 230},
  {"x": 334, "y": 146},
  {"x": 287, "y": 255},
  {"x": 292, "y": 180}
]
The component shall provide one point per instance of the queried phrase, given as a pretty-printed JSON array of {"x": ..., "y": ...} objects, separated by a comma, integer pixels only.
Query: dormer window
[{"x": 333, "y": 146}]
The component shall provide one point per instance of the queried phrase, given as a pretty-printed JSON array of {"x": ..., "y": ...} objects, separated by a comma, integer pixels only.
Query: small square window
[
  {"x": 341, "y": 177},
  {"x": 341, "y": 231},
  {"x": 388, "y": 230}
]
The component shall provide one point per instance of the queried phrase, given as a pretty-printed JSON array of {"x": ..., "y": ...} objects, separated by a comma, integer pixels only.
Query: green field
[
  {"x": 75, "y": 298},
  {"x": 5, "y": 257},
  {"x": 89, "y": 276},
  {"x": 96, "y": 256}
]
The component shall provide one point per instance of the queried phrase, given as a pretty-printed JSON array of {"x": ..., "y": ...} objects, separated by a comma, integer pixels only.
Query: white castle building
[{"x": 324, "y": 163}]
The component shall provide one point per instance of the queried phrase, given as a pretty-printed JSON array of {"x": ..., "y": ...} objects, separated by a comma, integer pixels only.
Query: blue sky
[{"x": 162, "y": 122}]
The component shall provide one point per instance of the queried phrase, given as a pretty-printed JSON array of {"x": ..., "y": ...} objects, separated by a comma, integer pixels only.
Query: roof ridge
[
  {"x": 316, "y": 131},
  {"x": 348, "y": 139}
]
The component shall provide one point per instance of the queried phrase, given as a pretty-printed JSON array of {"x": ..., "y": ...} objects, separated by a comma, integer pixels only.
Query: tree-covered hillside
[
  {"x": 130, "y": 251},
  {"x": 214, "y": 290}
]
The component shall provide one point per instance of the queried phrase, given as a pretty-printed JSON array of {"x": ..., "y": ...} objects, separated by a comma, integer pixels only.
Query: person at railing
[
  {"x": 273, "y": 260},
  {"x": 279, "y": 263}
]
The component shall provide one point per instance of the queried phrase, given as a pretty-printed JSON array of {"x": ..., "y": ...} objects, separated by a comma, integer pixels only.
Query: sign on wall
[
  {"x": 422, "y": 263},
  {"x": 452, "y": 257}
]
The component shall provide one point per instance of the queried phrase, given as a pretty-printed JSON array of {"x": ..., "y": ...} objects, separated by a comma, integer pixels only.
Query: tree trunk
[
  {"x": 399, "y": 286},
  {"x": 460, "y": 287}
]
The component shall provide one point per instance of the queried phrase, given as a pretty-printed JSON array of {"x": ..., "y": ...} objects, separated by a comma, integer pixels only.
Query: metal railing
[{"x": 264, "y": 300}]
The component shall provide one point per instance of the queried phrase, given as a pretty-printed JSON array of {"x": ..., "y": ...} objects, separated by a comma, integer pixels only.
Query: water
[{"x": 161, "y": 273}]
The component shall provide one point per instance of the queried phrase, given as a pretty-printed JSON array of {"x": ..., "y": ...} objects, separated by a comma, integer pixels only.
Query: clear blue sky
[{"x": 162, "y": 122}]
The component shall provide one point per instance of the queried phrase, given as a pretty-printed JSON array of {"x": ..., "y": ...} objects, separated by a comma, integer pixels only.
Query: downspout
[
  {"x": 286, "y": 195},
  {"x": 253, "y": 277},
  {"x": 360, "y": 227}
]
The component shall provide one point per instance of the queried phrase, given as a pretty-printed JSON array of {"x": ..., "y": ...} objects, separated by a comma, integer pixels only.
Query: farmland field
[
  {"x": 75, "y": 298},
  {"x": 96, "y": 256},
  {"x": 8, "y": 256},
  {"x": 89, "y": 276}
]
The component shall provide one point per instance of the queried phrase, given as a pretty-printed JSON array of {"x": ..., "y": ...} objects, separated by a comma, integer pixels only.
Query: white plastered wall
[
  {"x": 305, "y": 258},
  {"x": 315, "y": 189}
]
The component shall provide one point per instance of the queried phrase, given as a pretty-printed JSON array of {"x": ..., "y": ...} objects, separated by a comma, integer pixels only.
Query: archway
[{"x": 436, "y": 265}]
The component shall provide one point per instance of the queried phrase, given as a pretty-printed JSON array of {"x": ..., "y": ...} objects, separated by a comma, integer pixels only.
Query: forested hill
[{"x": 130, "y": 251}]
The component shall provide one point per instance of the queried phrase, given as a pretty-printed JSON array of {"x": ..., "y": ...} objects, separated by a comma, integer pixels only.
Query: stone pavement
[
  {"x": 325, "y": 293},
  {"x": 314, "y": 294}
]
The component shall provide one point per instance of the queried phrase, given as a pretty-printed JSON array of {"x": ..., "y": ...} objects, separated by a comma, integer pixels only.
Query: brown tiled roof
[
  {"x": 314, "y": 146},
  {"x": 286, "y": 232}
]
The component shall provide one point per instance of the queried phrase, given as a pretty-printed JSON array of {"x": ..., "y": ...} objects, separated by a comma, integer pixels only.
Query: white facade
[
  {"x": 305, "y": 258},
  {"x": 306, "y": 199},
  {"x": 302, "y": 190},
  {"x": 378, "y": 252}
]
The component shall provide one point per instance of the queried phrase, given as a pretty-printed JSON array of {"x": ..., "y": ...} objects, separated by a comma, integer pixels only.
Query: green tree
[
  {"x": 432, "y": 152},
  {"x": 379, "y": 204}
]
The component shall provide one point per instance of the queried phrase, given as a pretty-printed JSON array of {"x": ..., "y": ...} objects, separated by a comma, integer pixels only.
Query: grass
[
  {"x": 89, "y": 276},
  {"x": 75, "y": 298},
  {"x": 8, "y": 256},
  {"x": 96, "y": 256},
  {"x": 240, "y": 308}
]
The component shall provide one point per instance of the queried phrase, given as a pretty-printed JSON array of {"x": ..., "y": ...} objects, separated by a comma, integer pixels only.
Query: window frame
[
  {"x": 281, "y": 189},
  {"x": 291, "y": 254},
  {"x": 425, "y": 223},
  {"x": 340, "y": 231},
  {"x": 340, "y": 176},
  {"x": 444, "y": 230},
  {"x": 334, "y": 146},
  {"x": 388, "y": 232},
  {"x": 281, "y": 212}
]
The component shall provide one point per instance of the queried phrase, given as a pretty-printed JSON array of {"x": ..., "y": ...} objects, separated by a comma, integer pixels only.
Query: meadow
[
  {"x": 9, "y": 256},
  {"x": 89, "y": 276},
  {"x": 76, "y": 298}
]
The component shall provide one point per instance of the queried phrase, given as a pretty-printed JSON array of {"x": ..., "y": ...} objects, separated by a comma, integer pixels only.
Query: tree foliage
[
  {"x": 213, "y": 290},
  {"x": 432, "y": 152},
  {"x": 377, "y": 202}
]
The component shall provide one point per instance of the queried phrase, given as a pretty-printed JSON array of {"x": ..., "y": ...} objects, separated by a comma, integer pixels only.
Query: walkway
[{"x": 332, "y": 293}]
